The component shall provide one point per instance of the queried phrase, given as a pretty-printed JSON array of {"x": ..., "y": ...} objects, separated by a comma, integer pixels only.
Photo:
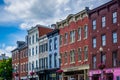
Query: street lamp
[
  {"x": 101, "y": 51},
  {"x": 101, "y": 66}
]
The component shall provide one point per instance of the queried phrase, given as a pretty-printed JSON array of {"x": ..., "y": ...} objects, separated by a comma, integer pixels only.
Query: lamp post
[
  {"x": 101, "y": 66},
  {"x": 101, "y": 51}
]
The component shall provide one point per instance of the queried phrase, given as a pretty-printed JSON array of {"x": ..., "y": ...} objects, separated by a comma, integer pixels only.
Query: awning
[{"x": 59, "y": 71}]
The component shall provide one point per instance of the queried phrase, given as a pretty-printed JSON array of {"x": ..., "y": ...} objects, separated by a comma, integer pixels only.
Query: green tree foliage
[{"x": 6, "y": 69}]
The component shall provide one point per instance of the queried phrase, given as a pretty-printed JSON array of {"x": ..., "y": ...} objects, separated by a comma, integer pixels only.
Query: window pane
[
  {"x": 79, "y": 54},
  {"x": 114, "y": 17},
  {"x": 94, "y": 62},
  {"x": 79, "y": 33},
  {"x": 85, "y": 31},
  {"x": 94, "y": 42},
  {"x": 103, "y": 40},
  {"x": 103, "y": 21},
  {"x": 114, "y": 37},
  {"x": 85, "y": 53},
  {"x": 94, "y": 24}
]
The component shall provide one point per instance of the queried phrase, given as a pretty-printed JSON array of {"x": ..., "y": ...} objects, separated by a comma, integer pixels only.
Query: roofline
[
  {"x": 53, "y": 32},
  {"x": 102, "y": 6}
]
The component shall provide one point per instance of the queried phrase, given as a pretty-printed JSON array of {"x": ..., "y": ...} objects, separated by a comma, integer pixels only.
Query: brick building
[
  {"x": 19, "y": 61},
  {"x": 104, "y": 26},
  {"x": 23, "y": 61},
  {"x": 74, "y": 46}
]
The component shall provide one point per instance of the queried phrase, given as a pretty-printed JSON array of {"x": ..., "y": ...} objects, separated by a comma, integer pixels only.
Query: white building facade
[{"x": 33, "y": 50}]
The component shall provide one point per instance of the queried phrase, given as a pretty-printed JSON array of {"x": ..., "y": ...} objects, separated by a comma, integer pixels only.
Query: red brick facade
[
  {"x": 104, "y": 39},
  {"x": 20, "y": 61},
  {"x": 105, "y": 10},
  {"x": 24, "y": 62},
  {"x": 66, "y": 26},
  {"x": 15, "y": 62}
]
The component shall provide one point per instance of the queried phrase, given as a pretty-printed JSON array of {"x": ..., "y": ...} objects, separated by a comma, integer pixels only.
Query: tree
[{"x": 6, "y": 69}]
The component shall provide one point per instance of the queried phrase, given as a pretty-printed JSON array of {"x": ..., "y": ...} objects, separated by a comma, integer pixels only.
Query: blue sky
[{"x": 17, "y": 16}]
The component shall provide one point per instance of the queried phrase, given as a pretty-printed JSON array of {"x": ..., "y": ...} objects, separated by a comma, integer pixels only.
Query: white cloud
[
  {"x": 7, "y": 50},
  {"x": 45, "y": 12}
]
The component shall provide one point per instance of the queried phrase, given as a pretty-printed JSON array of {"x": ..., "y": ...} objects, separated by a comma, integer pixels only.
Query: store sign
[
  {"x": 72, "y": 69},
  {"x": 53, "y": 75}
]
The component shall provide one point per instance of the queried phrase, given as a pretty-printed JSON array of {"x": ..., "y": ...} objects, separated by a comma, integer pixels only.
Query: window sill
[
  {"x": 72, "y": 62},
  {"x": 65, "y": 63},
  {"x": 85, "y": 38},
  {"x": 79, "y": 40},
  {"x": 79, "y": 60},
  {"x": 85, "y": 60},
  {"x": 72, "y": 42}
]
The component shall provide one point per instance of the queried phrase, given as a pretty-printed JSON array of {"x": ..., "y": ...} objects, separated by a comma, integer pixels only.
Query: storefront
[
  {"x": 76, "y": 73},
  {"x": 49, "y": 74},
  {"x": 108, "y": 74},
  {"x": 52, "y": 74}
]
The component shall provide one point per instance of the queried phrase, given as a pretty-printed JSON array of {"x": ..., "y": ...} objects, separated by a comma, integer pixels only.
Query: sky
[{"x": 17, "y": 16}]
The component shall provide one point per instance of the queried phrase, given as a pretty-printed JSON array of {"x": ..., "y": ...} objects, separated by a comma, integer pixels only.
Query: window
[
  {"x": 42, "y": 62},
  {"x": 33, "y": 39},
  {"x": 85, "y": 31},
  {"x": 103, "y": 40},
  {"x": 32, "y": 51},
  {"x": 94, "y": 61},
  {"x": 114, "y": 36},
  {"x": 43, "y": 47},
  {"x": 36, "y": 50},
  {"x": 115, "y": 58},
  {"x": 103, "y": 21},
  {"x": 114, "y": 17},
  {"x": 94, "y": 42},
  {"x": 40, "y": 65},
  {"x": 29, "y": 40},
  {"x": 103, "y": 58},
  {"x": 32, "y": 65},
  {"x": 55, "y": 60},
  {"x": 50, "y": 61},
  {"x": 60, "y": 60},
  {"x": 79, "y": 54},
  {"x": 36, "y": 64},
  {"x": 36, "y": 37},
  {"x": 46, "y": 46},
  {"x": 29, "y": 65},
  {"x": 26, "y": 66},
  {"x": 66, "y": 38},
  {"x": 60, "y": 39},
  {"x": 40, "y": 48},
  {"x": 65, "y": 57},
  {"x": 72, "y": 56},
  {"x": 79, "y": 33},
  {"x": 72, "y": 36},
  {"x": 85, "y": 53},
  {"x": 55, "y": 43},
  {"x": 46, "y": 65},
  {"x": 50, "y": 45},
  {"x": 94, "y": 24}
]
